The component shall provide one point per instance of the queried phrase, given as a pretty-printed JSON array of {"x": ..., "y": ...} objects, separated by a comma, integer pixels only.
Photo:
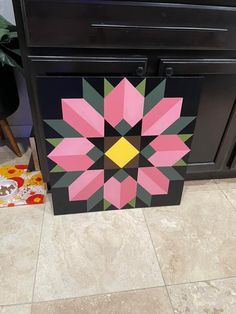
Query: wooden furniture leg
[
  {"x": 2, "y": 136},
  {"x": 7, "y": 130}
]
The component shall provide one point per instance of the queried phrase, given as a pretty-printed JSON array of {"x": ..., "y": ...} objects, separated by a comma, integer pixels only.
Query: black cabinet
[
  {"x": 182, "y": 38},
  {"x": 217, "y": 106}
]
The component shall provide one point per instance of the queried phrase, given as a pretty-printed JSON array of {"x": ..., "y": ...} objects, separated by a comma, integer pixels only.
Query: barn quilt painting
[{"x": 116, "y": 143}]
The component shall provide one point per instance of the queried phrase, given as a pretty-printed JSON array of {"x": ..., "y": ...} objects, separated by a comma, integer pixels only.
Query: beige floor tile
[
  {"x": 231, "y": 196},
  {"x": 226, "y": 184},
  {"x": 16, "y": 309},
  {"x": 20, "y": 228},
  {"x": 196, "y": 240},
  {"x": 8, "y": 157},
  {"x": 94, "y": 253},
  {"x": 216, "y": 297},
  {"x": 147, "y": 301},
  {"x": 200, "y": 185}
]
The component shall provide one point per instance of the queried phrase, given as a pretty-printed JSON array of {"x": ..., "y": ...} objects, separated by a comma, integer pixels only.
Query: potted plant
[{"x": 9, "y": 59}]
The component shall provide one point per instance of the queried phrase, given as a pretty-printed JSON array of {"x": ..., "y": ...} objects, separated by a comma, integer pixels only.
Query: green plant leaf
[
  {"x": 6, "y": 59},
  {"x": 4, "y": 33},
  {"x": 12, "y": 35},
  {"x": 3, "y": 22},
  {"x": 16, "y": 51},
  {"x": 9, "y": 47}
]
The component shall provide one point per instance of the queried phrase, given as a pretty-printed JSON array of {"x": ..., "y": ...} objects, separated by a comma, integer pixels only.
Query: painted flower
[
  {"x": 35, "y": 199},
  {"x": 119, "y": 149},
  {"x": 35, "y": 179},
  {"x": 19, "y": 181},
  {"x": 12, "y": 171}
]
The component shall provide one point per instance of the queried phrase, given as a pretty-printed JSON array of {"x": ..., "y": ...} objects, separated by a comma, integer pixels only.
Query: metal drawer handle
[
  {"x": 169, "y": 71},
  {"x": 175, "y": 28},
  {"x": 140, "y": 71}
]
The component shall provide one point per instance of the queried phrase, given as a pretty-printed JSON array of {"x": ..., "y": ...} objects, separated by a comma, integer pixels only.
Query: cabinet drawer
[
  {"x": 89, "y": 66},
  {"x": 127, "y": 24}
]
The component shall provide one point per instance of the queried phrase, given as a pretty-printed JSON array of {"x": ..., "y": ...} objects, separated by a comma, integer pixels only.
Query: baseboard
[{"x": 21, "y": 130}]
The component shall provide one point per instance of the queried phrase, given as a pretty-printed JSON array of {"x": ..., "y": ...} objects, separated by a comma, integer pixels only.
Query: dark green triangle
[
  {"x": 143, "y": 195},
  {"x": 179, "y": 125},
  {"x": 67, "y": 179},
  {"x": 154, "y": 96},
  {"x": 62, "y": 128},
  {"x": 123, "y": 127},
  {"x": 93, "y": 97},
  {"x": 54, "y": 141},
  {"x": 141, "y": 87},
  {"x": 171, "y": 173},
  {"x": 94, "y": 199},
  {"x": 107, "y": 87}
]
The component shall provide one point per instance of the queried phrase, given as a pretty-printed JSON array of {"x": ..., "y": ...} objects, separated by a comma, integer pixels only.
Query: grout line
[
  {"x": 199, "y": 281},
  {"x": 224, "y": 188},
  {"x": 158, "y": 261},
  {"x": 228, "y": 200},
  {"x": 40, "y": 237},
  {"x": 117, "y": 292},
  {"x": 96, "y": 295},
  {"x": 13, "y": 304}
]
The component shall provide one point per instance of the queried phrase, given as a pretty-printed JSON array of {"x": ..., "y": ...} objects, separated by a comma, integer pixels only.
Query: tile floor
[{"x": 179, "y": 259}]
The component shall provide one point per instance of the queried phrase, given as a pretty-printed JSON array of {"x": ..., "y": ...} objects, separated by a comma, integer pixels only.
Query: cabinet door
[
  {"x": 117, "y": 142},
  {"x": 215, "y": 108}
]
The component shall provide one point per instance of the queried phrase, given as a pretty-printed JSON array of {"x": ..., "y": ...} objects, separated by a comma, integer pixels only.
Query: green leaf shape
[
  {"x": 57, "y": 169},
  {"x": 185, "y": 137},
  {"x": 54, "y": 141},
  {"x": 142, "y": 87},
  {"x": 132, "y": 202},
  {"x": 106, "y": 204},
  {"x": 180, "y": 162},
  {"x": 107, "y": 87}
]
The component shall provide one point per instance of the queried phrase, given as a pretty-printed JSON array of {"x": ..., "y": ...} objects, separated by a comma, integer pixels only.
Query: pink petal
[
  {"x": 153, "y": 181},
  {"x": 169, "y": 149},
  {"x": 70, "y": 154},
  {"x": 120, "y": 193},
  {"x": 123, "y": 102},
  {"x": 86, "y": 185},
  {"x": 160, "y": 117},
  {"x": 83, "y": 117}
]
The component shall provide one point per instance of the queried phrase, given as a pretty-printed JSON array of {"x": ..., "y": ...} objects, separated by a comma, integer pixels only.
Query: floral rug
[{"x": 31, "y": 186}]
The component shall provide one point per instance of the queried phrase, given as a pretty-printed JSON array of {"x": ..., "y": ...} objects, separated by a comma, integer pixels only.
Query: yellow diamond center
[{"x": 122, "y": 152}]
